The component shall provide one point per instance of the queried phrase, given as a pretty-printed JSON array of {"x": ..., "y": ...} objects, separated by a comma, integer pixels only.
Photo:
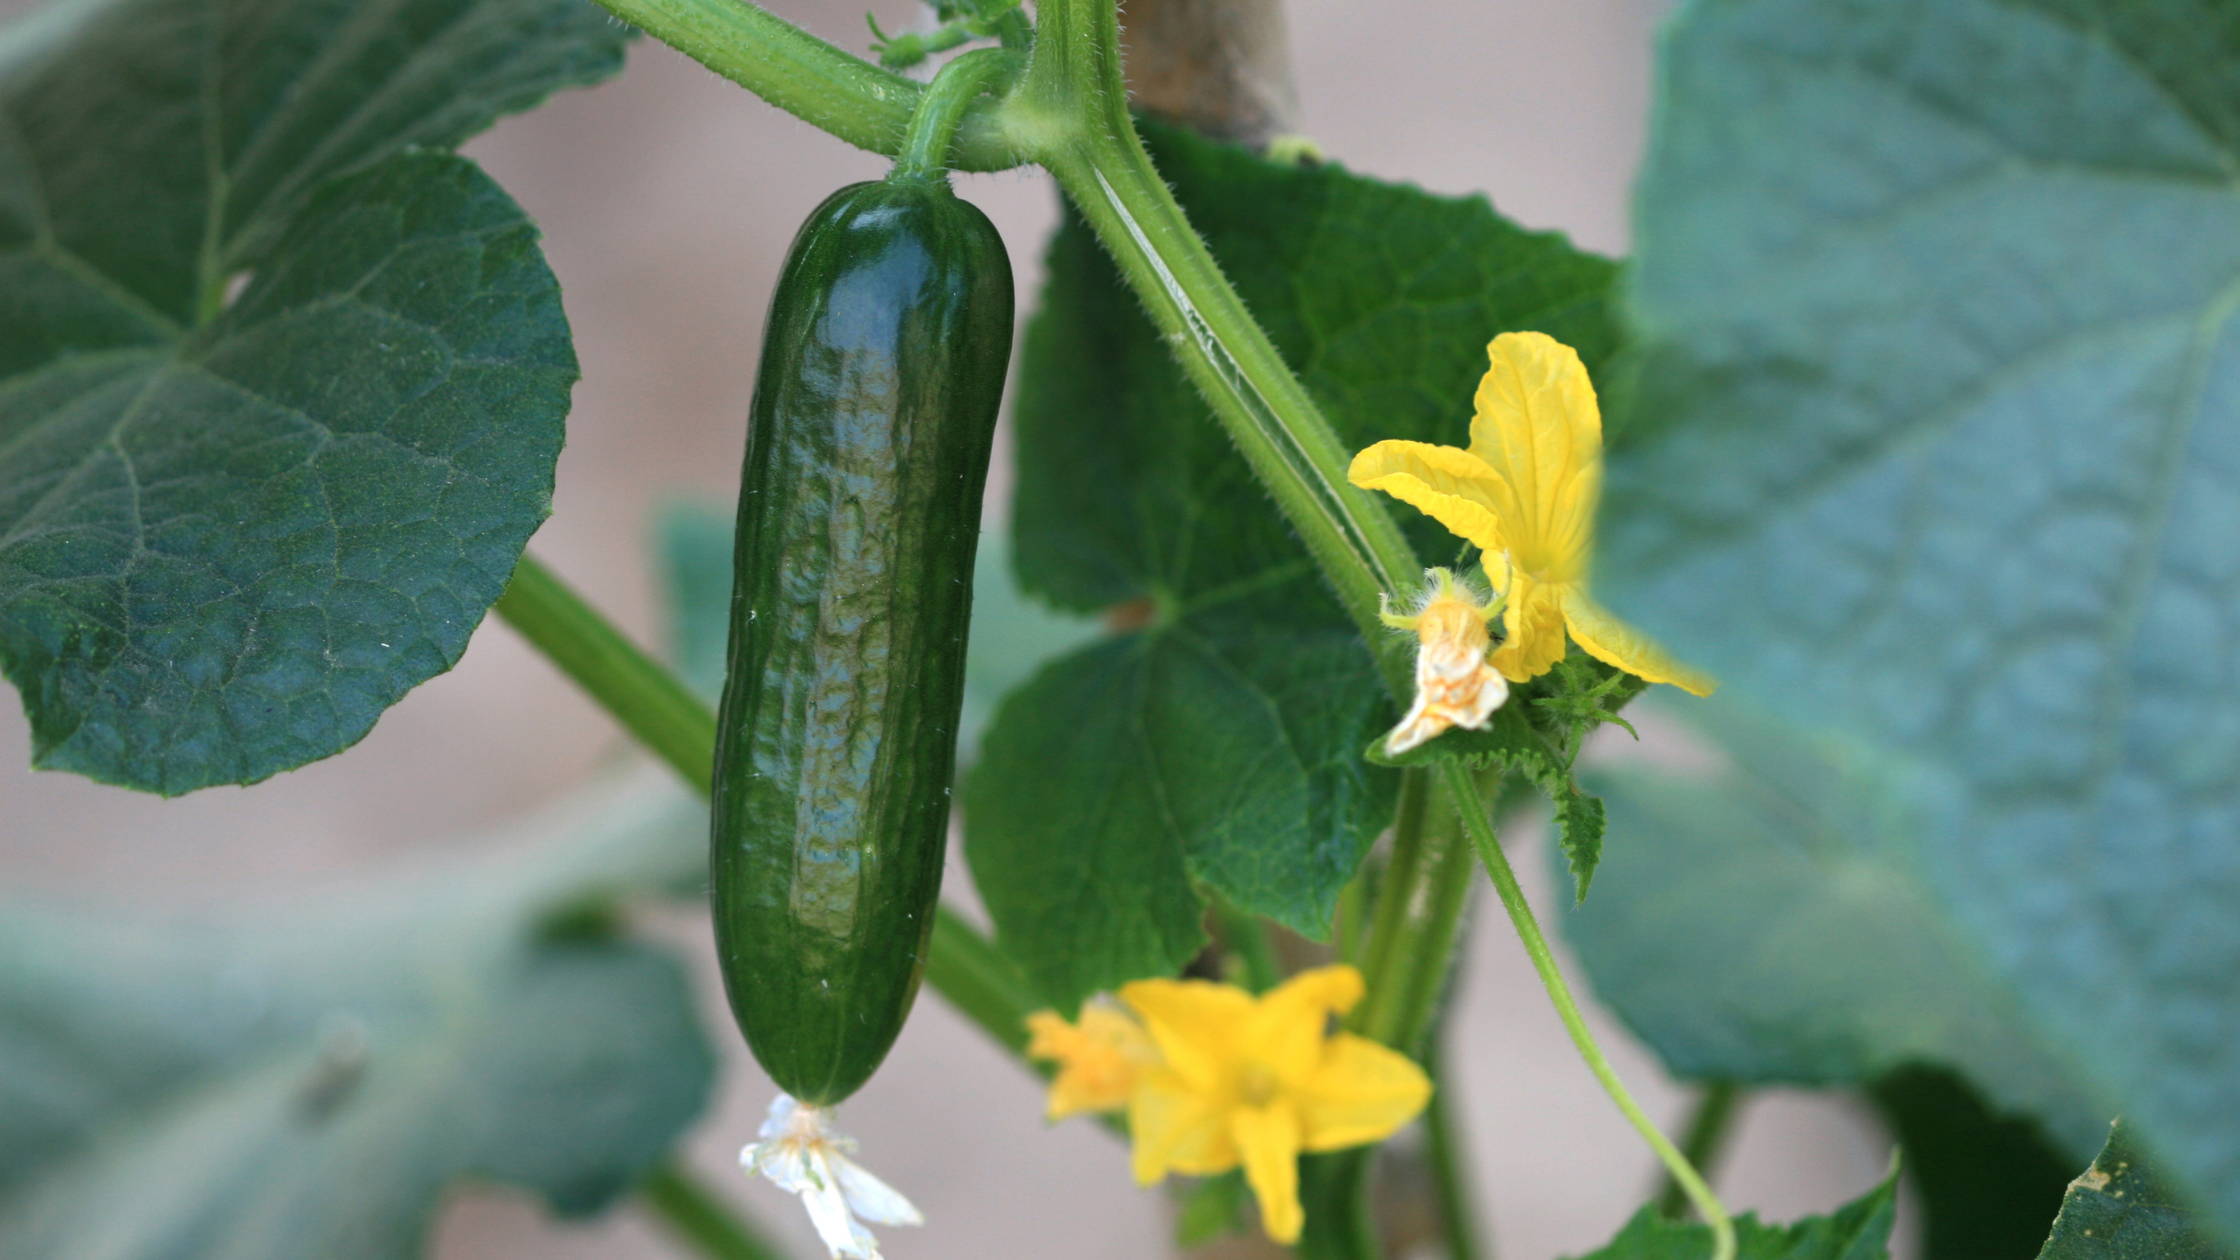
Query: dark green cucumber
[{"x": 882, "y": 367}]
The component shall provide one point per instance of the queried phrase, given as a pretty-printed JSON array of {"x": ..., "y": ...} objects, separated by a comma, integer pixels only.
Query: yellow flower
[
  {"x": 1454, "y": 685},
  {"x": 1258, "y": 1080},
  {"x": 1099, "y": 1060},
  {"x": 1525, "y": 493}
]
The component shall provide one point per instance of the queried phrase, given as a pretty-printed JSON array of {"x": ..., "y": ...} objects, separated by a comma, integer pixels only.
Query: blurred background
[{"x": 667, "y": 198}]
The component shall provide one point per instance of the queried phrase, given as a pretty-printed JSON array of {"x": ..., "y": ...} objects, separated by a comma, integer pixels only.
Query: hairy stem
[
  {"x": 820, "y": 84},
  {"x": 700, "y": 1218},
  {"x": 1462, "y": 790},
  {"x": 655, "y": 706},
  {"x": 1070, "y": 114},
  {"x": 933, "y": 129}
]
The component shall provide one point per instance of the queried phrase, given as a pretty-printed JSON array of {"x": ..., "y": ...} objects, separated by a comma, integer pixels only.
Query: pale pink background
[{"x": 666, "y": 199}]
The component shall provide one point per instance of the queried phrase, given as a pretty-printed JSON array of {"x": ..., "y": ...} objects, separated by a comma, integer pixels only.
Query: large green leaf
[
  {"x": 259, "y": 1086},
  {"x": 1763, "y": 938},
  {"x": 1987, "y": 1183},
  {"x": 233, "y": 532},
  {"x": 1939, "y": 424},
  {"x": 2120, "y": 1210},
  {"x": 1859, "y": 1230},
  {"x": 1221, "y": 742}
]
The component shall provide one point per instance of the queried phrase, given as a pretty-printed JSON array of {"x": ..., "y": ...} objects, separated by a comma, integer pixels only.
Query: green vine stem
[
  {"x": 1450, "y": 1168},
  {"x": 1244, "y": 938},
  {"x": 1070, "y": 114},
  {"x": 1413, "y": 931},
  {"x": 933, "y": 128},
  {"x": 1702, "y": 1139},
  {"x": 700, "y": 1217},
  {"x": 820, "y": 84},
  {"x": 649, "y": 701},
  {"x": 678, "y": 727},
  {"x": 1417, "y": 916},
  {"x": 1460, "y": 785}
]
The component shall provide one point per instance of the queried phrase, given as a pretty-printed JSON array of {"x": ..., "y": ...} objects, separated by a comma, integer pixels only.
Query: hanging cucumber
[{"x": 882, "y": 366}]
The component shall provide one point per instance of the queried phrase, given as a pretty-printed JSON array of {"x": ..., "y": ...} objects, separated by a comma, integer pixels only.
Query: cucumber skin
[{"x": 859, "y": 511}]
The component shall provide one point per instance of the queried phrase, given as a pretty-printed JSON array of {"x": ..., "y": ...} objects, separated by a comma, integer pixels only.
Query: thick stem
[
  {"x": 972, "y": 975},
  {"x": 1070, "y": 114},
  {"x": 701, "y": 1219},
  {"x": 1418, "y": 913},
  {"x": 639, "y": 692},
  {"x": 1412, "y": 936},
  {"x": 1450, "y": 1169},
  {"x": 933, "y": 129},
  {"x": 1340, "y": 1224},
  {"x": 677, "y": 726},
  {"x": 822, "y": 85},
  {"x": 1462, "y": 789},
  {"x": 1246, "y": 938}
]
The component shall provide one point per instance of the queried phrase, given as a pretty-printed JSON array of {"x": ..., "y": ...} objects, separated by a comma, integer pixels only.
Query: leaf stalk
[
  {"x": 1458, "y": 782},
  {"x": 817, "y": 82}
]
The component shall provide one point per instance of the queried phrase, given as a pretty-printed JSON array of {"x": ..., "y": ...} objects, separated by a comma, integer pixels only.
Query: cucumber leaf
[
  {"x": 1860, "y": 1230},
  {"x": 1218, "y": 741},
  {"x": 1937, "y": 424},
  {"x": 1987, "y": 1182},
  {"x": 278, "y": 406},
  {"x": 270, "y": 1085},
  {"x": 1760, "y": 940},
  {"x": 2120, "y": 1209}
]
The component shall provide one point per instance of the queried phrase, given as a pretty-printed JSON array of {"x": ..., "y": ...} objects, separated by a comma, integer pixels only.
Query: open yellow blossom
[
  {"x": 1454, "y": 684},
  {"x": 1525, "y": 493},
  {"x": 1258, "y": 1080},
  {"x": 1099, "y": 1059}
]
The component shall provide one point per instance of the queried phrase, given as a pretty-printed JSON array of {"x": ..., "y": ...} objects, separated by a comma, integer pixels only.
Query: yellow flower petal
[
  {"x": 1098, "y": 1060},
  {"x": 1449, "y": 485},
  {"x": 1268, "y": 1137},
  {"x": 1532, "y": 626},
  {"x": 1613, "y": 642},
  {"x": 1177, "y": 1128},
  {"x": 1290, "y": 1023},
  {"x": 1361, "y": 1092},
  {"x": 1539, "y": 428},
  {"x": 1194, "y": 1023}
]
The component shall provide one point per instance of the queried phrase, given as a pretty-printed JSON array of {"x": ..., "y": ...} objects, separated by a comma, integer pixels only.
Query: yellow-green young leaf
[
  {"x": 1859, "y": 1230},
  {"x": 1936, "y": 436},
  {"x": 1221, "y": 741},
  {"x": 2119, "y": 1209},
  {"x": 278, "y": 408},
  {"x": 312, "y": 1081}
]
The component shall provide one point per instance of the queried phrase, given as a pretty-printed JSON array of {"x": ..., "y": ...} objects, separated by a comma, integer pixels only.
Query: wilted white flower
[{"x": 801, "y": 1153}]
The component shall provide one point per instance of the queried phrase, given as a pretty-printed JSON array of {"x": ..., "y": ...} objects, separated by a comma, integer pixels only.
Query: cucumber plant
[{"x": 1922, "y": 401}]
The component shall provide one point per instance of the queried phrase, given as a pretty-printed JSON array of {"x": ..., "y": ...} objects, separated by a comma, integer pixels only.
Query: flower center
[{"x": 1256, "y": 1084}]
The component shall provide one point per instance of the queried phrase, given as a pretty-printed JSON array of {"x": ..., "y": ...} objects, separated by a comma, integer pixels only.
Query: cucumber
[{"x": 882, "y": 367}]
